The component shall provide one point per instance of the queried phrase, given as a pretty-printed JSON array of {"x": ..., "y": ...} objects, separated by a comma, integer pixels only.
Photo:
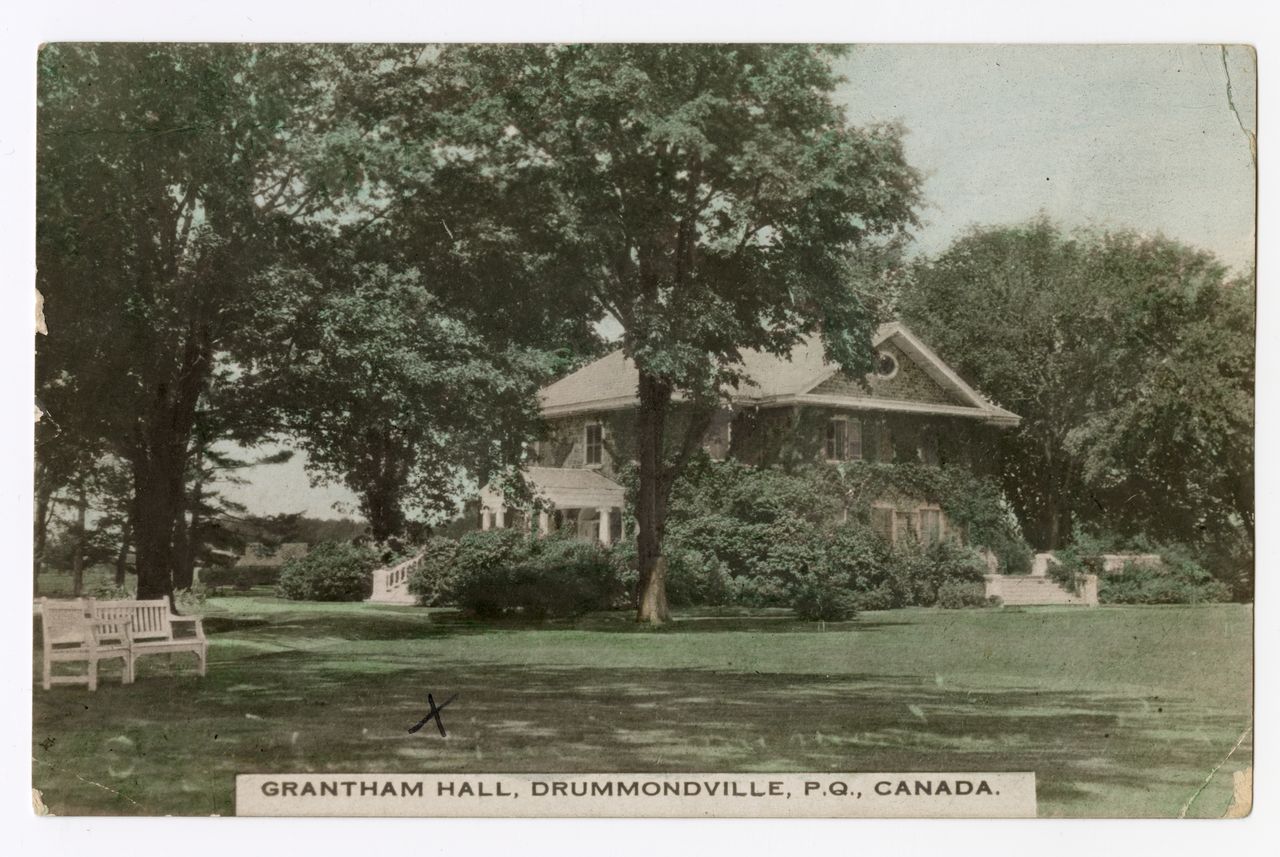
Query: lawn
[{"x": 1119, "y": 710}]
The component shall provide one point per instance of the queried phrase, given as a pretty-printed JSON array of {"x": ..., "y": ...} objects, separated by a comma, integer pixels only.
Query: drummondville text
[{"x": 915, "y": 787}]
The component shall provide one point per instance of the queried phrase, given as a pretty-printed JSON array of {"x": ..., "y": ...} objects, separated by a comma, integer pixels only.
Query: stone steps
[
  {"x": 395, "y": 595},
  {"x": 1025, "y": 591}
]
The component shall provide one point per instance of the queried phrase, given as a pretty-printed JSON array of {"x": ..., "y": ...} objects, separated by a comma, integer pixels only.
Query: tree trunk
[
  {"x": 651, "y": 505},
  {"x": 159, "y": 461},
  {"x": 183, "y": 547},
  {"x": 44, "y": 506},
  {"x": 122, "y": 556},
  {"x": 77, "y": 559}
]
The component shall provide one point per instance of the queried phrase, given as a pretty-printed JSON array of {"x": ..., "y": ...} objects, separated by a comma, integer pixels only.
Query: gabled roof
[{"x": 610, "y": 383}]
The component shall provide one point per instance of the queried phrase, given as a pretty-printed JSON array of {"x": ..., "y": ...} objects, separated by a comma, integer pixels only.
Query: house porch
[{"x": 581, "y": 500}]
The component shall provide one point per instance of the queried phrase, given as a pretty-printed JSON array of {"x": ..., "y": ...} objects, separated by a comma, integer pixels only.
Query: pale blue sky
[{"x": 1111, "y": 136}]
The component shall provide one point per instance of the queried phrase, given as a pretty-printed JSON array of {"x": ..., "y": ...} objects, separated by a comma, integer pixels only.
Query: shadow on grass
[{"x": 172, "y": 743}]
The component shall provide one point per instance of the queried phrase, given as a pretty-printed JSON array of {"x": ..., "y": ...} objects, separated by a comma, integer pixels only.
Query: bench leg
[
  {"x": 203, "y": 655},
  {"x": 128, "y": 669},
  {"x": 93, "y": 675}
]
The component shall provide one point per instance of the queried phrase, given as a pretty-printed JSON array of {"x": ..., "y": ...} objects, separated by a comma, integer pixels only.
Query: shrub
[
  {"x": 820, "y": 596},
  {"x": 332, "y": 571},
  {"x": 1178, "y": 579},
  {"x": 955, "y": 594},
  {"x": 879, "y": 598},
  {"x": 111, "y": 592},
  {"x": 1179, "y": 582},
  {"x": 768, "y": 530},
  {"x": 240, "y": 577},
  {"x": 432, "y": 581},
  {"x": 192, "y": 598},
  {"x": 539, "y": 578}
]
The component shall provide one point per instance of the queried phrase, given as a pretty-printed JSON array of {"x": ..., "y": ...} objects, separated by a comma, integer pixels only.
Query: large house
[{"x": 912, "y": 407}]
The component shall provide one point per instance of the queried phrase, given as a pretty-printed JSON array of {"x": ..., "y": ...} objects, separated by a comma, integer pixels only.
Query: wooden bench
[
  {"x": 70, "y": 633},
  {"x": 88, "y": 630},
  {"x": 151, "y": 628}
]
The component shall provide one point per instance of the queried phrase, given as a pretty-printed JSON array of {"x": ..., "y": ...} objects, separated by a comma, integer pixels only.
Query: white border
[{"x": 27, "y": 24}]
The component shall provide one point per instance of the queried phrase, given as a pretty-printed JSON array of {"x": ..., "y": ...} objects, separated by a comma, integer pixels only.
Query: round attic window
[{"x": 886, "y": 365}]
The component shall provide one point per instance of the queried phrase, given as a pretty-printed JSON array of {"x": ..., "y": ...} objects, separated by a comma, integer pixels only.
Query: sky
[{"x": 1120, "y": 136}]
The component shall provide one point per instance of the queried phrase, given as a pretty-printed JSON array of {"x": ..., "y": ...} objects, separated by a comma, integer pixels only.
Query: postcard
[{"x": 644, "y": 430}]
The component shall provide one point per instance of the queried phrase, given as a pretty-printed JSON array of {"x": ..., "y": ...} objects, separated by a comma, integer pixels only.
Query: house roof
[
  {"x": 610, "y": 383},
  {"x": 565, "y": 488}
]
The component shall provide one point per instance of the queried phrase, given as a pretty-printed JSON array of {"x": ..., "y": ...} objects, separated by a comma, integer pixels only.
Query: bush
[
  {"x": 880, "y": 598},
  {"x": 192, "y": 598},
  {"x": 240, "y": 577},
  {"x": 1177, "y": 582},
  {"x": 1178, "y": 579},
  {"x": 769, "y": 531},
  {"x": 111, "y": 592},
  {"x": 503, "y": 572},
  {"x": 820, "y": 596},
  {"x": 956, "y": 594},
  {"x": 433, "y": 580},
  {"x": 330, "y": 572}
]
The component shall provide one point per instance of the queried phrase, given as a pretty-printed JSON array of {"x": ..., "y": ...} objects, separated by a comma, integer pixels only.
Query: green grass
[{"x": 1119, "y": 710}]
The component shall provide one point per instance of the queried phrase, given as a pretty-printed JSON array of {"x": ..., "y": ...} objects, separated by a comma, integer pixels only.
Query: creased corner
[
  {"x": 1241, "y": 794},
  {"x": 37, "y": 803}
]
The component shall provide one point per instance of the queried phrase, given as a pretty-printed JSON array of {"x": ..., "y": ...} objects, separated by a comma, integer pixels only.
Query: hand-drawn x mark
[{"x": 433, "y": 713}]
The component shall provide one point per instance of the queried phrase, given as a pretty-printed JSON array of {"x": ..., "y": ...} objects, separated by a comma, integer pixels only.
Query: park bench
[
  {"x": 71, "y": 633},
  {"x": 92, "y": 631},
  {"x": 151, "y": 628}
]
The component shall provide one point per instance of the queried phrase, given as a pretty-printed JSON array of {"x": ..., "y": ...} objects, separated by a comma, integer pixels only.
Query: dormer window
[{"x": 594, "y": 445}]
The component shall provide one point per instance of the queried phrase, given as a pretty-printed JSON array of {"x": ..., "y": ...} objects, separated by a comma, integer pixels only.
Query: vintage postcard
[{"x": 644, "y": 430}]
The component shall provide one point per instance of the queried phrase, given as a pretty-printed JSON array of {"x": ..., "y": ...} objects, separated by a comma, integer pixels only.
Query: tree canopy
[
  {"x": 708, "y": 199},
  {"x": 1130, "y": 360}
]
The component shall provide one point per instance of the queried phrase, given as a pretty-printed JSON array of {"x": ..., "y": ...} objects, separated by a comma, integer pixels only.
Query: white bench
[
  {"x": 70, "y": 635},
  {"x": 92, "y": 631},
  {"x": 151, "y": 628}
]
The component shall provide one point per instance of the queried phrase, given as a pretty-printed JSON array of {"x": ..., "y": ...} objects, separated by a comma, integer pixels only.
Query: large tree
[
  {"x": 171, "y": 180},
  {"x": 392, "y": 396},
  {"x": 706, "y": 199},
  {"x": 1130, "y": 360}
]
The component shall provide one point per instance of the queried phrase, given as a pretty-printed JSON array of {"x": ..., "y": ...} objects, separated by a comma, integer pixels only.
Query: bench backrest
[
  {"x": 64, "y": 623},
  {"x": 150, "y": 618}
]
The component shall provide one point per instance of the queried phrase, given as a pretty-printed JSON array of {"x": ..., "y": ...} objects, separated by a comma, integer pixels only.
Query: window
[
  {"x": 930, "y": 525},
  {"x": 882, "y": 522},
  {"x": 929, "y": 448},
  {"x": 886, "y": 365},
  {"x": 837, "y": 437},
  {"x": 844, "y": 439},
  {"x": 594, "y": 444},
  {"x": 904, "y": 526}
]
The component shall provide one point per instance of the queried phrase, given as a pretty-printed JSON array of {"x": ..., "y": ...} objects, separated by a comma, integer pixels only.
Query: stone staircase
[
  {"x": 1015, "y": 590},
  {"x": 391, "y": 585}
]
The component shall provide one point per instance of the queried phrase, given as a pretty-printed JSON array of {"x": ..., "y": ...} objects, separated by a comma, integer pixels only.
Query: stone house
[{"x": 913, "y": 407}]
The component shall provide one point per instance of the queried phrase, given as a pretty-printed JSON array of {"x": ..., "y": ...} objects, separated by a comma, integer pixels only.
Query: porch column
[
  {"x": 486, "y": 519},
  {"x": 544, "y": 522},
  {"x": 500, "y": 518},
  {"x": 603, "y": 511}
]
